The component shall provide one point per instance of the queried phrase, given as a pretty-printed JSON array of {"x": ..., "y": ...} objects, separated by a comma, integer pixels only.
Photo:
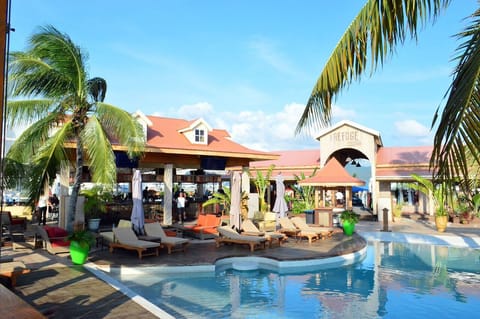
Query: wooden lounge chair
[
  {"x": 12, "y": 270},
  {"x": 289, "y": 229},
  {"x": 206, "y": 227},
  {"x": 228, "y": 235},
  {"x": 54, "y": 239},
  {"x": 125, "y": 238},
  {"x": 172, "y": 243},
  {"x": 323, "y": 232},
  {"x": 108, "y": 235},
  {"x": 249, "y": 229},
  {"x": 269, "y": 222}
]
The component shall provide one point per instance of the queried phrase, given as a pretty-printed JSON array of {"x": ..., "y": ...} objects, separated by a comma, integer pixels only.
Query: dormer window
[
  {"x": 199, "y": 136},
  {"x": 197, "y": 132}
]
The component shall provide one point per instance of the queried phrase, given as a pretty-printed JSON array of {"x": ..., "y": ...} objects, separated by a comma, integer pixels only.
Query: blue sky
[{"x": 249, "y": 66}]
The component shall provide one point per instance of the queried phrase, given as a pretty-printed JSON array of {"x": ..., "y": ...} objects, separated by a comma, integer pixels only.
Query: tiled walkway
[{"x": 60, "y": 290}]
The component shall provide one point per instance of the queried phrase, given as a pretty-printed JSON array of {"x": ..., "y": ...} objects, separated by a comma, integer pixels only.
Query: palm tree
[
  {"x": 49, "y": 87},
  {"x": 380, "y": 26},
  {"x": 262, "y": 182}
]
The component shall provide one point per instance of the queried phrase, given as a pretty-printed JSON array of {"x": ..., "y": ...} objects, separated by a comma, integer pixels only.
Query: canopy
[{"x": 331, "y": 175}]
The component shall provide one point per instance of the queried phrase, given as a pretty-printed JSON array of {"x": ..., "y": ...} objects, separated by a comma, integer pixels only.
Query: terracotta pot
[{"x": 441, "y": 223}]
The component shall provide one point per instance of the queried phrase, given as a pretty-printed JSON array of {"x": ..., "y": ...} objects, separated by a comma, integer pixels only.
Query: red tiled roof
[
  {"x": 294, "y": 158},
  {"x": 332, "y": 174},
  {"x": 164, "y": 134},
  {"x": 404, "y": 155},
  {"x": 401, "y": 173}
]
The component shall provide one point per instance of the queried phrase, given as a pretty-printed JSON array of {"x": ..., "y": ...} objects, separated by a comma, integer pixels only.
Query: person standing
[
  {"x": 181, "y": 207},
  {"x": 42, "y": 210},
  {"x": 145, "y": 195}
]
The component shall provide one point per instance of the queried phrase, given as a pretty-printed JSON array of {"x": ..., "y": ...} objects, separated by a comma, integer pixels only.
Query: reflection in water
[{"x": 395, "y": 280}]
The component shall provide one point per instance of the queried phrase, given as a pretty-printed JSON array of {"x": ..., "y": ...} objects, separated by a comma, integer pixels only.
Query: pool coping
[{"x": 415, "y": 238}]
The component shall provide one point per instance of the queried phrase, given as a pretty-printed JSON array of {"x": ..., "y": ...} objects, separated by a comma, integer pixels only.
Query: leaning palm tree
[
  {"x": 380, "y": 26},
  {"x": 49, "y": 87}
]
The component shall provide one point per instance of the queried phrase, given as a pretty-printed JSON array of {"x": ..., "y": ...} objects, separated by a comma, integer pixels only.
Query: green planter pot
[
  {"x": 348, "y": 227},
  {"x": 78, "y": 253}
]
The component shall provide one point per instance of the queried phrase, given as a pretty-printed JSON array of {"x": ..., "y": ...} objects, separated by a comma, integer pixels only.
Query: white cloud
[
  {"x": 195, "y": 111},
  {"x": 411, "y": 128},
  {"x": 339, "y": 114}
]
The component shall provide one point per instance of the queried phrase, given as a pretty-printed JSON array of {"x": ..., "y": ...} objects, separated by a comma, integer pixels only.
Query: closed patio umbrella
[
  {"x": 280, "y": 207},
  {"x": 235, "y": 200},
  {"x": 137, "y": 217}
]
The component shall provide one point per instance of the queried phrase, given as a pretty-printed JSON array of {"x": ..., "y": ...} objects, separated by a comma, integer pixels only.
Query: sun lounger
[
  {"x": 125, "y": 238},
  {"x": 156, "y": 230},
  {"x": 228, "y": 235},
  {"x": 108, "y": 235},
  {"x": 12, "y": 270},
  {"x": 323, "y": 232},
  {"x": 249, "y": 229},
  {"x": 289, "y": 229},
  {"x": 206, "y": 227}
]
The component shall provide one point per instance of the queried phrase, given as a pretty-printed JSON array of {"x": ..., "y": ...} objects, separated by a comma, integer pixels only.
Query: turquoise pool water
[{"x": 394, "y": 280}]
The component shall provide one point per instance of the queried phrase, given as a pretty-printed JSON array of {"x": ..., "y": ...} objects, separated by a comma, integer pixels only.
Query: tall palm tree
[
  {"x": 375, "y": 32},
  {"x": 49, "y": 87}
]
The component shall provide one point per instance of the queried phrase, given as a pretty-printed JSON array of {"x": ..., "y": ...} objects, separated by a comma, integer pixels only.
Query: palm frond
[
  {"x": 25, "y": 111},
  {"x": 376, "y": 30},
  {"x": 120, "y": 124},
  {"x": 32, "y": 139},
  {"x": 101, "y": 158},
  {"x": 457, "y": 138},
  {"x": 97, "y": 88},
  {"x": 69, "y": 60}
]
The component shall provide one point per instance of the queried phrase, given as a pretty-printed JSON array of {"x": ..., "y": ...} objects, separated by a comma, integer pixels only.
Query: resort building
[
  {"x": 180, "y": 153},
  {"x": 177, "y": 152},
  {"x": 355, "y": 146}
]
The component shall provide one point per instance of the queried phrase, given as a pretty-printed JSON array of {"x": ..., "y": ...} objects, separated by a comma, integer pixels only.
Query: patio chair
[
  {"x": 54, "y": 239},
  {"x": 125, "y": 238},
  {"x": 10, "y": 223},
  {"x": 228, "y": 235},
  {"x": 249, "y": 229},
  {"x": 289, "y": 229},
  {"x": 323, "y": 232},
  {"x": 172, "y": 243}
]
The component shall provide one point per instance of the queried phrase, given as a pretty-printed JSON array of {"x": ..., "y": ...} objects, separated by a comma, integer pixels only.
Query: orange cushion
[
  {"x": 202, "y": 220},
  {"x": 212, "y": 220},
  {"x": 171, "y": 233}
]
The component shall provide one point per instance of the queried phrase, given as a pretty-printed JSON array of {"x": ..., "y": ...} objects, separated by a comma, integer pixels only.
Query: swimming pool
[{"x": 393, "y": 280}]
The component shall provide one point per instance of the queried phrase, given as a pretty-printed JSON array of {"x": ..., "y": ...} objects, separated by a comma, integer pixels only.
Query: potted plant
[
  {"x": 397, "y": 212},
  {"x": 223, "y": 199},
  {"x": 303, "y": 201},
  {"x": 96, "y": 199},
  {"x": 440, "y": 193},
  {"x": 349, "y": 219},
  {"x": 80, "y": 243}
]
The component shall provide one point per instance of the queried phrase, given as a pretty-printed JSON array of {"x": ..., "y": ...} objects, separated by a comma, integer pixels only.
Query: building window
[{"x": 199, "y": 136}]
